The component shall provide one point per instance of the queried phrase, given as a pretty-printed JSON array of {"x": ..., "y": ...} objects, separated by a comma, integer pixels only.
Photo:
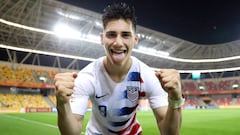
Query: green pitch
[{"x": 195, "y": 122}]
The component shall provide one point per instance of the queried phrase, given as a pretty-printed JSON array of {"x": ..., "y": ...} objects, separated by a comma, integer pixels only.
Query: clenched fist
[
  {"x": 64, "y": 83},
  {"x": 170, "y": 81}
]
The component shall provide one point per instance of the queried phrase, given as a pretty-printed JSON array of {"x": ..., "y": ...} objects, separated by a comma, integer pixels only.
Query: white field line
[{"x": 31, "y": 121}]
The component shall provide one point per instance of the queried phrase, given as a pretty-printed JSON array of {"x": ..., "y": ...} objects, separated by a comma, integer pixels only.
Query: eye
[
  {"x": 126, "y": 34},
  {"x": 111, "y": 34}
]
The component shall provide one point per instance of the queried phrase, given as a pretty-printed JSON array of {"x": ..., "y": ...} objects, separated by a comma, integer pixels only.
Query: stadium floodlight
[
  {"x": 151, "y": 51},
  {"x": 43, "y": 79},
  {"x": 163, "y": 53},
  {"x": 65, "y": 31},
  {"x": 68, "y": 15},
  {"x": 201, "y": 87},
  {"x": 98, "y": 24},
  {"x": 235, "y": 86}
]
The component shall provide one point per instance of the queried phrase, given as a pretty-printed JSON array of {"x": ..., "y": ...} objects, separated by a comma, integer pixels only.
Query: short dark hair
[{"x": 119, "y": 11}]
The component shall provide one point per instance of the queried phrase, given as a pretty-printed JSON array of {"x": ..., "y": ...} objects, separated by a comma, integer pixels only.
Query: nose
[{"x": 118, "y": 40}]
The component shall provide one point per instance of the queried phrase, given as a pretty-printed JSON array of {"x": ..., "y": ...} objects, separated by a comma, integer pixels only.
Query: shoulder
[
  {"x": 89, "y": 72},
  {"x": 146, "y": 72},
  {"x": 93, "y": 67},
  {"x": 144, "y": 68},
  {"x": 87, "y": 77}
]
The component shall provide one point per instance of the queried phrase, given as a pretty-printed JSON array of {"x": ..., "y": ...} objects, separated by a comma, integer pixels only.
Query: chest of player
[{"x": 117, "y": 100}]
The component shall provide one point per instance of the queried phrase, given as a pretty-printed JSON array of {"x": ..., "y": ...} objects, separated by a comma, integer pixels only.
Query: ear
[
  {"x": 101, "y": 36},
  {"x": 136, "y": 38}
]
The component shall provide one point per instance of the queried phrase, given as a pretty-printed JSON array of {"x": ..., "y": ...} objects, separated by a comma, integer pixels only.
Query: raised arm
[
  {"x": 68, "y": 123},
  {"x": 169, "y": 118}
]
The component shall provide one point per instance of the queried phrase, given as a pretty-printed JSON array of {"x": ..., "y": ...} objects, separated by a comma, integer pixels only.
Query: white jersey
[{"x": 115, "y": 104}]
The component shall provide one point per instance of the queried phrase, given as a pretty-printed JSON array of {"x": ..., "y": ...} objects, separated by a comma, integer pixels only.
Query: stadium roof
[
  {"x": 27, "y": 33},
  {"x": 202, "y": 22}
]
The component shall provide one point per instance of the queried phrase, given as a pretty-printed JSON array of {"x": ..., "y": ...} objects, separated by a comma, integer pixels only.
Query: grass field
[{"x": 195, "y": 122}]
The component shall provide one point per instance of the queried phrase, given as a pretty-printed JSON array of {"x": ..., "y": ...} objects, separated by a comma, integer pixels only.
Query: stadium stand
[
  {"x": 22, "y": 88},
  {"x": 216, "y": 92}
]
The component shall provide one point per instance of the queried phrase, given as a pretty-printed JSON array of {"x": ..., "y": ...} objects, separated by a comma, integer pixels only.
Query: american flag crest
[{"x": 132, "y": 93}]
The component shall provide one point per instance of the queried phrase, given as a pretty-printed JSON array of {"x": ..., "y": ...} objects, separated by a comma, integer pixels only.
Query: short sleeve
[
  {"x": 83, "y": 88},
  {"x": 156, "y": 95}
]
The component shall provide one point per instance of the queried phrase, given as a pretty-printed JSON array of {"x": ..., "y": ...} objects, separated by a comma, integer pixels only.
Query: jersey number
[{"x": 103, "y": 110}]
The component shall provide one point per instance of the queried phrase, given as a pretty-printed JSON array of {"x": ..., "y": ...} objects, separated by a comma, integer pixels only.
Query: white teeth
[{"x": 118, "y": 52}]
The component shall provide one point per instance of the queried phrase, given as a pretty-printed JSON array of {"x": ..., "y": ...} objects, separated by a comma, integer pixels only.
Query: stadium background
[{"x": 32, "y": 51}]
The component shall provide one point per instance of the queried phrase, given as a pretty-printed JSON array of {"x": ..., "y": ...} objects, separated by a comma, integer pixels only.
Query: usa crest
[{"x": 132, "y": 93}]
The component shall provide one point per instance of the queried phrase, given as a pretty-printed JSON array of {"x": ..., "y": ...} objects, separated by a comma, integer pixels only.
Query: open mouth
[
  {"x": 118, "y": 51},
  {"x": 118, "y": 55}
]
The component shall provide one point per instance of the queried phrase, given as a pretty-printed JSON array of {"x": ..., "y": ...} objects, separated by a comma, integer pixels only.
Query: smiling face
[{"x": 118, "y": 39}]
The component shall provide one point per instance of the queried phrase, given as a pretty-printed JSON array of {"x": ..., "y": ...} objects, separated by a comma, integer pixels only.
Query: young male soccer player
[{"x": 115, "y": 83}]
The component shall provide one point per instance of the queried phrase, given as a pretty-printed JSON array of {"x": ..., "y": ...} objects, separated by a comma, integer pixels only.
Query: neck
[{"x": 117, "y": 72}]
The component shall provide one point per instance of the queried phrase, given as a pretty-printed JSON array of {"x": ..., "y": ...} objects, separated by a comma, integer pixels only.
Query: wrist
[{"x": 176, "y": 103}]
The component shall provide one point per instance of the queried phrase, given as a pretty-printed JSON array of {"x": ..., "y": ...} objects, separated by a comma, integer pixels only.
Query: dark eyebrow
[
  {"x": 116, "y": 32},
  {"x": 126, "y": 32},
  {"x": 110, "y": 31}
]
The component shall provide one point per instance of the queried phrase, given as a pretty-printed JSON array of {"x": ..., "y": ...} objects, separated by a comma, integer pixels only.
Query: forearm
[
  {"x": 172, "y": 122},
  {"x": 68, "y": 125},
  {"x": 169, "y": 120}
]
